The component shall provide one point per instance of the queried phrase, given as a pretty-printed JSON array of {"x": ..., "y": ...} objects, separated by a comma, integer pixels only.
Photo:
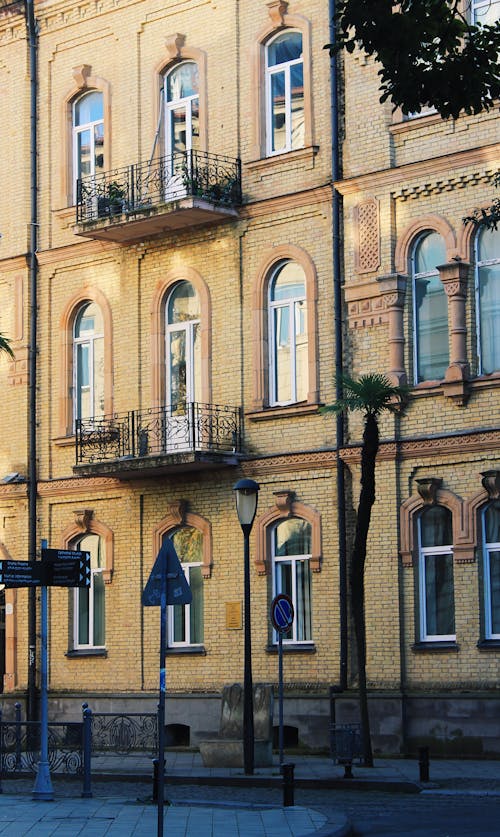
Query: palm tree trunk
[{"x": 366, "y": 501}]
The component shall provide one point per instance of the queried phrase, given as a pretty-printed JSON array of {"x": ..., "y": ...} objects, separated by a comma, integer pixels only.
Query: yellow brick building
[{"x": 186, "y": 332}]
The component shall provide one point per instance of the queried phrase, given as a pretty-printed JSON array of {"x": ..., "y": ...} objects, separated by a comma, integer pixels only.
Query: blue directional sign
[
  {"x": 66, "y": 568},
  {"x": 167, "y": 568},
  {"x": 282, "y": 613}
]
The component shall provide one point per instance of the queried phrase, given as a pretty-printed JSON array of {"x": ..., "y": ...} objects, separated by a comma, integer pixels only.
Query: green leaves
[
  {"x": 430, "y": 55},
  {"x": 489, "y": 216},
  {"x": 5, "y": 345},
  {"x": 372, "y": 394}
]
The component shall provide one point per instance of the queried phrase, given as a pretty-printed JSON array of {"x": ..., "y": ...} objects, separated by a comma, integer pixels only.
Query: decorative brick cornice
[
  {"x": 78, "y": 485},
  {"x": 482, "y": 441},
  {"x": 290, "y": 463}
]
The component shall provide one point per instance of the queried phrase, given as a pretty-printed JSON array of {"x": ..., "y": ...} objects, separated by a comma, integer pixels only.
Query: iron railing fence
[
  {"x": 159, "y": 431},
  {"x": 142, "y": 186},
  {"x": 20, "y": 746},
  {"x": 122, "y": 734}
]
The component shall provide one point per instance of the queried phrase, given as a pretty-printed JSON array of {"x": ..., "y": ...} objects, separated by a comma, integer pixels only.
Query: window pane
[
  {"x": 436, "y": 527},
  {"x": 183, "y": 304},
  {"x": 289, "y": 282},
  {"x": 178, "y": 130},
  {"x": 429, "y": 253},
  {"x": 182, "y": 82},
  {"x": 297, "y": 95},
  {"x": 293, "y": 537},
  {"x": 83, "y": 616},
  {"x": 99, "y": 616},
  {"x": 188, "y": 543},
  {"x": 83, "y": 409},
  {"x": 492, "y": 523},
  {"x": 88, "y": 109},
  {"x": 196, "y": 606},
  {"x": 83, "y": 153},
  {"x": 282, "y": 354},
  {"x": 179, "y": 623},
  {"x": 432, "y": 328},
  {"x": 98, "y": 148},
  {"x": 489, "y": 306},
  {"x": 303, "y": 604},
  {"x": 486, "y": 11},
  {"x": 278, "y": 106},
  {"x": 494, "y": 570},
  {"x": 439, "y": 606},
  {"x": 178, "y": 369},
  {"x": 284, "y": 48},
  {"x": 301, "y": 354}
]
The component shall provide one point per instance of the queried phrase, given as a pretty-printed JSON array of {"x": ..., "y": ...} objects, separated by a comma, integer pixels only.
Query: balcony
[
  {"x": 171, "y": 193},
  {"x": 153, "y": 442}
]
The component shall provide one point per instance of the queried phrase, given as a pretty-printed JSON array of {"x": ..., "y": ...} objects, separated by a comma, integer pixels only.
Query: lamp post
[{"x": 246, "y": 505}]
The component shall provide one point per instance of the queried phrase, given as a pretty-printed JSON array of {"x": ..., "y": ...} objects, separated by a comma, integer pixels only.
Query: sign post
[
  {"x": 282, "y": 618},
  {"x": 166, "y": 585}
]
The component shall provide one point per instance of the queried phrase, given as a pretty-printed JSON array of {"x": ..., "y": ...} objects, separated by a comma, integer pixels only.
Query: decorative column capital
[
  {"x": 491, "y": 483},
  {"x": 428, "y": 488},
  {"x": 454, "y": 276},
  {"x": 392, "y": 289}
]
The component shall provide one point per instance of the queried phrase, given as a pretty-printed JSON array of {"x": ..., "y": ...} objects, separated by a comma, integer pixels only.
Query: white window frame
[
  {"x": 487, "y": 549},
  {"x": 89, "y": 339},
  {"x": 423, "y": 554},
  {"x": 477, "y": 265},
  {"x": 414, "y": 277},
  {"x": 79, "y": 129},
  {"x": 171, "y": 643},
  {"x": 293, "y": 305},
  {"x": 78, "y": 646},
  {"x": 293, "y": 560},
  {"x": 477, "y": 5},
  {"x": 285, "y": 68}
]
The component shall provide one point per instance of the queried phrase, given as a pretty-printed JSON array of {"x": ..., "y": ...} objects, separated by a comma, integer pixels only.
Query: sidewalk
[{"x": 114, "y": 815}]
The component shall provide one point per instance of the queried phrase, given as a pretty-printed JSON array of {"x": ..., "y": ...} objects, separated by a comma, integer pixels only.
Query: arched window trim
[
  {"x": 477, "y": 264},
  {"x": 260, "y": 353},
  {"x": 84, "y": 82},
  {"x": 67, "y": 322},
  {"x": 280, "y": 20},
  {"x": 284, "y": 508},
  {"x": 175, "y": 519},
  {"x": 413, "y": 507},
  {"x": 178, "y": 53},
  {"x": 158, "y": 361},
  {"x": 427, "y": 223},
  {"x": 87, "y": 524}
]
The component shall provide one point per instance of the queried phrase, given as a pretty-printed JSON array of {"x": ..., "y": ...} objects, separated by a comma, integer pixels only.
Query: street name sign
[
  {"x": 21, "y": 573},
  {"x": 66, "y": 568}
]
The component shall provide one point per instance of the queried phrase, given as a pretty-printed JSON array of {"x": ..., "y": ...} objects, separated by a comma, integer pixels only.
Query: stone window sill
[
  {"x": 86, "y": 652},
  {"x": 270, "y": 413},
  {"x": 435, "y": 647},
  {"x": 277, "y": 161},
  {"x": 488, "y": 644},
  {"x": 188, "y": 649},
  {"x": 64, "y": 441},
  {"x": 292, "y": 648}
]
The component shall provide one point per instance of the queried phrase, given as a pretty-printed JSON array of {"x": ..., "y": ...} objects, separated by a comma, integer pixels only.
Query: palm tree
[
  {"x": 5, "y": 346},
  {"x": 372, "y": 394}
]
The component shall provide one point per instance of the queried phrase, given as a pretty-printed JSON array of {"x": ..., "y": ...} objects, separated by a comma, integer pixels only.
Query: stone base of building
[{"x": 451, "y": 725}]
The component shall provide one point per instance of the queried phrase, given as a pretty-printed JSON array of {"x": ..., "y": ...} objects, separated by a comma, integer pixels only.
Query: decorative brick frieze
[{"x": 366, "y": 218}]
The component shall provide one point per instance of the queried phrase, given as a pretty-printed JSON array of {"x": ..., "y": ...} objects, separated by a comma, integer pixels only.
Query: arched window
[
  {"x": 182, "y": 120},
  {"x": 435, "y": 572},
  {"x": 491, "y": 569},
  {"x": 88, "y": 135},
  {"x": 288, "y": 343},
  {"x": 88, "y": 363},
  {"x": 430, "y": 310},
  {"x": 291, "y": 555},
  {"x": 487, "y": 283},
  {"x": 284, "y": 93},
  {"x": 89, "y": 614},
  {"x": 183, "y": 363},
  {"x": 186, "y": 622}
]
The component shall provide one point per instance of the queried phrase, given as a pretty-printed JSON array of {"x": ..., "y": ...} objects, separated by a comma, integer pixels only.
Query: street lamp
[{"x": 246, "y": 505}]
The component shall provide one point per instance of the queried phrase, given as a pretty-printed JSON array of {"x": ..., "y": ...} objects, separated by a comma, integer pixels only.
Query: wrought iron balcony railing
[
  {"x": 159, "y": 432},
  {"x": 142, "y": 187}
]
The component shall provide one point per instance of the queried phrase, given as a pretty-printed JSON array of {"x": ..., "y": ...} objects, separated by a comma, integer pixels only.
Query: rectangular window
[
  {"x": 491, "y": 570},
  {"x": 293, "y": 577},
  {"x": 89, "y": 604},
  {"x": 185, "y": 622},
  {"x": 437, "y": 600}
]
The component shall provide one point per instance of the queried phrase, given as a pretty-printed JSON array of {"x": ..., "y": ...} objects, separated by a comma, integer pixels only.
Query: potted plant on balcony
[{"x": 112, "y": 201}]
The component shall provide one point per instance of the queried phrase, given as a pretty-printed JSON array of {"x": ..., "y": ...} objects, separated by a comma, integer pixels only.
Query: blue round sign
[{"x": 282, "y": 613}]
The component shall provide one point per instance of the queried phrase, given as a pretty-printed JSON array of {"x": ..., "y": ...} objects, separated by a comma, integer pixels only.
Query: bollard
[
  {"x": 423, "y": 763},
  {"x": 288, "y": 784},
  {"x": 87, "y": 751},
  {"x": 156, "y": 776}
]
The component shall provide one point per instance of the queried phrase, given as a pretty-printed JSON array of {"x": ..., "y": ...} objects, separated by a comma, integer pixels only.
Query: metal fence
[
  {"x": 159, "y": 431},
  {"x": 141, "y": 187}
]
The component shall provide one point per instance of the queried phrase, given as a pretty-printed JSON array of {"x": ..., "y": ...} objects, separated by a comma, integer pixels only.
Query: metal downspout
[
  {"x": 32, "y": 694},
  {"x": 337, "y": 302}
]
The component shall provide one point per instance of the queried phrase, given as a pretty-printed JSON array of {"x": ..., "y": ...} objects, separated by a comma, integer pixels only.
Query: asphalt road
[{"x": 457, "y": 813}]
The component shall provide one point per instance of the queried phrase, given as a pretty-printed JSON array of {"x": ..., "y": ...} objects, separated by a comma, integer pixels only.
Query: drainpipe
[
  {"x": 32, "y": 695},
  {"x": 337, "y": 303}
]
